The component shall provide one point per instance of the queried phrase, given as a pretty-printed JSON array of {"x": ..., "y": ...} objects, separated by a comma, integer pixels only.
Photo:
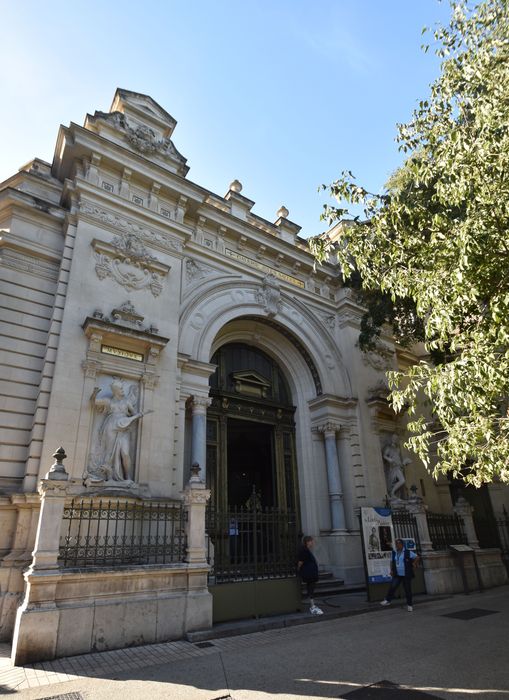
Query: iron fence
[
  {"x": 113, "y": 532},
  {"x": 445, "y": 529},
  {"x": 405, "y": 526},
  {"x": 247, "y": 544}
]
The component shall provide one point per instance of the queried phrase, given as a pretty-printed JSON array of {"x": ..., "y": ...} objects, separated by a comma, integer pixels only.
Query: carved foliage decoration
[
  {"x": 269, "y": 296},
  {"x": 127, "y": 226},
  {"x": 127, "y": 261}
]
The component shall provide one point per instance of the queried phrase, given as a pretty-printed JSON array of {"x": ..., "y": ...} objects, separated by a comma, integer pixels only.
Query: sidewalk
[{"x": 443, "y": 657}]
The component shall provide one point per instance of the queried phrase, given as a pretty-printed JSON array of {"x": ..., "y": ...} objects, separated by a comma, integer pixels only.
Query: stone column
[
  {"x": 415, "y": 506},
  {"x": 463, "y": 508},
  {"x": 199, "y": 405},
  {"x": 37, "y": 619},
  {"x": 195, "y": 500},
  {"x": 337, "y": 508}
]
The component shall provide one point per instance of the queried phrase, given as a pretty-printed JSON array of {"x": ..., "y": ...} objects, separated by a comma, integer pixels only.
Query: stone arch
[{"x": 215, "y": 305}]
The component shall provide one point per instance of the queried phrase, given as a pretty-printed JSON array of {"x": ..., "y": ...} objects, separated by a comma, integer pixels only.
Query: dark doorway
[{"x": 250, "y": 455}]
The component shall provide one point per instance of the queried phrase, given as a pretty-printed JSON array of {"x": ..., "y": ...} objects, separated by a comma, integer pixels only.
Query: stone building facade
[{"x": 148, "y": 323}]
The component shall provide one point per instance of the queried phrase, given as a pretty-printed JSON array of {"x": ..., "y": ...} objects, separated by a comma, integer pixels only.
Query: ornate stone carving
[
  {"x": 91, "y": 367},
  {"x": 127, "y": 261},
  {"x": 380, "y": 390},
  {"x": 126, "y": 313},
  {"x": 395, "y": 475},
  {"x": 197, "y": 271},
  {"x": 112, "y": 449},
  {"x": 328, "y": 427},
  {"x": 329, "y": 321},
  {"x": 269, "y": 296},
  {"x": 380, "y": 358},
  {"x": 156, "y": 238},
  {"x": 145, "y": 140}
]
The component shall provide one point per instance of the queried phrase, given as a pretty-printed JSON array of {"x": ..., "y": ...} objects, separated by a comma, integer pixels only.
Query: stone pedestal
[
  {"x": 464, "y": 510},
  {"x": 36, "y": 626},
  {"x": 416, "y": 507}
]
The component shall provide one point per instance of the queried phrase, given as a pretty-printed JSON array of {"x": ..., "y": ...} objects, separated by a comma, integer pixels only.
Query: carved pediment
[
  {"x": 139, "y": 123},
  {"x": 251, "y": 383}
]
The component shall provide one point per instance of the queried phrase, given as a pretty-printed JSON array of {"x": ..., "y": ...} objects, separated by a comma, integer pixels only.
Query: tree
[{"x": 435, "y": 246}]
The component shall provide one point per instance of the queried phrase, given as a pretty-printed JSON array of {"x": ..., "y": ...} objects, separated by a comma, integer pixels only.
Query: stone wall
[
  {"x": 442, "y": 572},
  {"x": 75, "y": 612}
]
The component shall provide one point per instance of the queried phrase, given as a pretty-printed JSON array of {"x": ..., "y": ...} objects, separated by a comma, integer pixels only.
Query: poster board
[{"x": 377, "y": 538}]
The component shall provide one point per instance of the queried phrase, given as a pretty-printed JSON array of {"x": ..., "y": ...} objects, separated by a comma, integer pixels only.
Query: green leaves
[{"x": 433, "y": 250}]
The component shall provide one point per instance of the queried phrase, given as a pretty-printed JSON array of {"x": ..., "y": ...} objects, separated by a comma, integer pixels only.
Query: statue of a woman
[
  {"x": 396, "y": 476},
  {"x": 114, "y": 432}
]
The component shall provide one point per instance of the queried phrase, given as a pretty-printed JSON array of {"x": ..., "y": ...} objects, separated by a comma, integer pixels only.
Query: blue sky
[{"x": 281, "y": 94}]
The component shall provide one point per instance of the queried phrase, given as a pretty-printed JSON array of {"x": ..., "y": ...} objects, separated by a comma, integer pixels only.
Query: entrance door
[{"x": 250, "y": 462}]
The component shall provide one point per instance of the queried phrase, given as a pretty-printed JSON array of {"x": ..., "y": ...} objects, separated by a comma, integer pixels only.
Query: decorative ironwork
[
  {"x": 249, "y": 544},
  {"x": 405, "y": 526},
  {"x": 113, "y": 532},
  {"x": 445, "y": 529}
]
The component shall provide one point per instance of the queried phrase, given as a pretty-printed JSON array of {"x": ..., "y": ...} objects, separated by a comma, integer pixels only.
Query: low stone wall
[
  {"x": 67, "y": 612},
  {"x": 442, "y": 572}
]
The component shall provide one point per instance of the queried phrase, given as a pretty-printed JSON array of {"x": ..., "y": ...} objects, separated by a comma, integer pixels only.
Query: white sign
[{"x": 378, "y": 536}]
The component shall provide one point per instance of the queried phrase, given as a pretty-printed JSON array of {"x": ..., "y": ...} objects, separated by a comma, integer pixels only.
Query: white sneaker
[
  {"x": 315, "y": 610},
  {"x": 410, "y": 608},
  {"x": 385, "y": 602}
]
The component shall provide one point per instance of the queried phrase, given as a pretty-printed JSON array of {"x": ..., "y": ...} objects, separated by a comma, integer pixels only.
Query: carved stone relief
[
  {"x": 127, "y": 261},
  {"x": 269, "y": 296},
  {"x": 380, "y": 358},
  {"x": 116, "y": 407},
  {"x": 196, "y": 271}
]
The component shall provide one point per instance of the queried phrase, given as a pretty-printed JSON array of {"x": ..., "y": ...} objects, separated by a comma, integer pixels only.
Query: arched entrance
[{"x": 250, "y": 431}]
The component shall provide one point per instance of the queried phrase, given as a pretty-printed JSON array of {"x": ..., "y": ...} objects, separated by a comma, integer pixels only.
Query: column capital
[
  {"x": 328, "y": 428},
  {"x": 199, "y": 404}
]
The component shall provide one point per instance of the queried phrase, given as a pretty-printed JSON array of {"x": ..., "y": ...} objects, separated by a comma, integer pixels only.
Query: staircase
[{"x": 328, "y": 586}]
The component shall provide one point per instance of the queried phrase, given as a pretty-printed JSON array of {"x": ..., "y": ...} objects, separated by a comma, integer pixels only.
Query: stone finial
[
  {"x": 282, "y": 212},
  {"x": 236, "y": 186},
  {"x": 57, "y": 470}
]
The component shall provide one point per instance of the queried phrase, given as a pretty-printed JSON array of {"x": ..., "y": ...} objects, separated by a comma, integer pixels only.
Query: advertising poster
[{"x": 378, "y": 538}]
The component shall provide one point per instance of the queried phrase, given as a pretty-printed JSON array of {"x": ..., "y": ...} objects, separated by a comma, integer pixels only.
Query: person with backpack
[
  {"x": 403, "y": 562},
  {"x": 307, "y": 569}
]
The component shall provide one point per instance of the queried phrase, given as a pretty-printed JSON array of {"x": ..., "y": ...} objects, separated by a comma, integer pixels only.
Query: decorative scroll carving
[
  {"x": 127, "y": 261},
  {"x": 269, "y": 296}
]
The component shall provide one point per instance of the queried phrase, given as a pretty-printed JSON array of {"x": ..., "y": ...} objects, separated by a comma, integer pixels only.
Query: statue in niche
[
  {"x": 112, "y": 460},
  {"x": 395, "y": 468}
]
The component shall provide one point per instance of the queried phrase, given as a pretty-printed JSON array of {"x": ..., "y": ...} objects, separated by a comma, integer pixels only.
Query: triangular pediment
[
  {"x": 137, "y": 122},
  {"x": 251, "y": 377},
  {"x": 143, "y": 107}
]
